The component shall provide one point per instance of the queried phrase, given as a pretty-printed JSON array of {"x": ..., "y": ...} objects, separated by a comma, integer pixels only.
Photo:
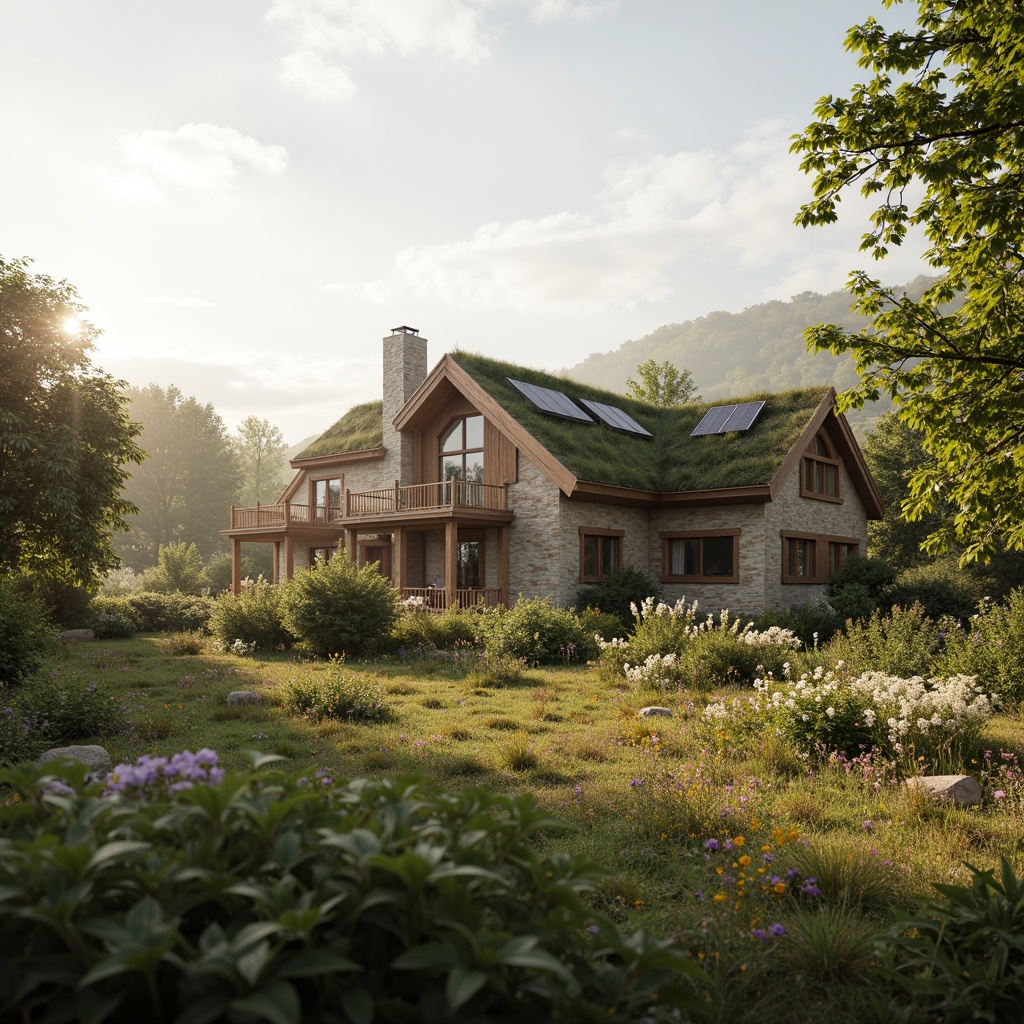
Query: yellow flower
[
  {"x": 739, "y": 840},
  {"x": 719, "y": 897},
  {"x": 744, "y": 861},
  {"x": 638, "y": 903},
  {"x": 780, "y": 888}
]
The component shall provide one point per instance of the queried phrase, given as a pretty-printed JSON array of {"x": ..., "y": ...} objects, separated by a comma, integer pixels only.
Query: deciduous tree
[
  {"x": 662, "y": 384},
  {"x": 260, "y": 447},
  {"x": 935, "y": 138}
]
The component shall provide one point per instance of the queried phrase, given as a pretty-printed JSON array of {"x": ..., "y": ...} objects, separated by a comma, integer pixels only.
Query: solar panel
[
  {"x": 723, "y": 419},
  {"x": 554, "y": 403},
  {"x": 615, "y": 418}
]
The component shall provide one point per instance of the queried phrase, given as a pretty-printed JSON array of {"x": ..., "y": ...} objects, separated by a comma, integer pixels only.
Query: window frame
[
  {"x": 459, "y": 454},
  {"x": 666, "y": 550},
  {"x": 599, "y": 532},
  {"x": 820, "y": 574},
  {"x": 814, "y": 460},
  {"x": 321, "y": 513}
]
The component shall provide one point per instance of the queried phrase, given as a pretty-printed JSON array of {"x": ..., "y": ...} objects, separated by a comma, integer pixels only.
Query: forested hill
[{"x": 730, "y": 354}]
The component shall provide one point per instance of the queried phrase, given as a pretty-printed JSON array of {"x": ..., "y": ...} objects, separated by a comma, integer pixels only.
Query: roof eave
[{"x": 317, "y": 461}]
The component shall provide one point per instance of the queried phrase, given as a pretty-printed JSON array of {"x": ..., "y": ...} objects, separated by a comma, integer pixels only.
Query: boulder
[
  {"x": 237, "y": 697},
  {"x": 961, "y": 790},
  {"x": 96, "y": 757},
  {"x": 77, "y": 634},
  {"x": 654, "y": 712}
]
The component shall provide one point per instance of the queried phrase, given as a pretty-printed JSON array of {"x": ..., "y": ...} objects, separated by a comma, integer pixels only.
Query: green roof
[
  {"x": 669, "y": 461},
  {"x": 361, "y": 428}
]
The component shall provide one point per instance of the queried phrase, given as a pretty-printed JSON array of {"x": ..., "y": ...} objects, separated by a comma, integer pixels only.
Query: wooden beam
[
  {"x": 451, "y": 563},
  {"x": 503, "y": 564},
  {"x": 236, "y": 566}
]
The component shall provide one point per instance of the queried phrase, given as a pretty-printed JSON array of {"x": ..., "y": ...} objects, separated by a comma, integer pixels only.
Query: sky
[{"x": 249, "y": 194}]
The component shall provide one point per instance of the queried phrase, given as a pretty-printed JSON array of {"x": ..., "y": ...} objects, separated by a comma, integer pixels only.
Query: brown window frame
[
  {"x": 819, "y": 553},
  {"x": 459, "y": 454},
  {"x": 666, "y": 561},
  {"x": 314, "y": 508},
  {"x": 814, "y": 465},
  {"x": 593, "y": 531}
]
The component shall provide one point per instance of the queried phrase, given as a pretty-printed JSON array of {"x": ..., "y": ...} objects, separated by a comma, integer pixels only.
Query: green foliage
[
  {"x": 961, "y": 958},
  {"x": 624, "y": 586},
  {"x": 662, "y": 384},
  {"x": 185, "y": 487},
  {"x": 120, "y": 581},
  {"x": 260, "y": 448},
  {"x": 65, "y": 435},
  {"x": 113, "y": 625},
  {"x": 254, "y": 616},
  {"x": 860, "y": 587},
  {"x": 271, "y": 898},
  {"x": 337, "y": 608},
  {"x": 336, "y": 694},
  {"x": 941, "y": 587},
  {"x": 535, "y": 630},
  {"x": 362, "y": 427},
  {"x": 417, "y": 627},
  {"x": 814, "y": 622},
  {"x": 933, "y": 140},
  {"x": 179, "y": 570},
  {"x": 182, "y": 644},
  {"x": 25, "y": 631},
  {"x": 162, "y": 613},
  {"x": 994, "y": 648}
]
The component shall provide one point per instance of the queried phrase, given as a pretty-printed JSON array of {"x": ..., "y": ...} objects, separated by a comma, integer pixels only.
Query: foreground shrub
[
  {"x": 618, "y": 592},
  {"x": 161, "y": 613},
  {"x": 538, "y": 632},
  {"x": 187, "y": 642},
  {"x": 337, "y": 608},
  {"x": 254, "y": 616},
  {"x": 25, "y": 631},
  {"x": 815, "y": 622},
  {"x": 336, "y": 694},
  {"x": 417, "y": 627},
  {"x": 994, "y": 648},
  {"x": 201, "y": 897}
]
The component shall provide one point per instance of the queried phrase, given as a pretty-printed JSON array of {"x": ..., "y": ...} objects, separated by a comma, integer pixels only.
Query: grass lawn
[{"x": 718, "y": 837}]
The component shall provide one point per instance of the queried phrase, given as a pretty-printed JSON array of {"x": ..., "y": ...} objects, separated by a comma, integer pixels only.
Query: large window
[
  {"x": 461, "y": 452},
  {"x": 820, "y": 471},
  {"x": 812, "y": 558},
  {"x": 325, "y": 497},
  {"x": 700, "y": 556},
  {"x": 600, "y": 552}
]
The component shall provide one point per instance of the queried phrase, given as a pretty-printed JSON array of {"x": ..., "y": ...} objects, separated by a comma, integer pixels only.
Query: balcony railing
[
  {"x": 426, "y": 497},
  {"x": 282, "y": 514},
  {"x": 435, "y": 599}
]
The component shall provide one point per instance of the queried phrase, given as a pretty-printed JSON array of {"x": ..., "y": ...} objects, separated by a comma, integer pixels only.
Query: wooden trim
[
  {"x": 669, "y": 535},
  {"x": 316, "y": 461},
  {"x": 796, "y": 453},
  {"x": 820, "y": 555},
  {"x": 818, "y": 460},
  {"x": 612, "y": 495},
  {"x": 595, "y": 531}
]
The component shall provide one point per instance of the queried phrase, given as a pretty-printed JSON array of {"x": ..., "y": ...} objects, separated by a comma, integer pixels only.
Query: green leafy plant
[
  {"x": 179, "y": 570},
  {"x": 185, "y": 642},
  {"x": 224, "y": 896},
  {"x": 160, "y": 613},
  {"x": 25, "y": 631},
  {"x": 337, "y": 608},
  {"x": 417, "y": 626},
  {"x": 254, "y": 616},
  {"x": 336, "y": 694},
  {"x": 623, "y": 587},
  {"x": 861, "y": 587},
  {"x": 535, "y": 630}
]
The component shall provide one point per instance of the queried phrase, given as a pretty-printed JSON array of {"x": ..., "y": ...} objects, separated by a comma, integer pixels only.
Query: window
[
  {"x": 812, "y": 558},
  {"x": 820, "y": 471},
  {"x": 325, "y": 497},
  {"x": 600, "y": 552},
  {"x": 461, "y": 450},
  {"x": 321, "y": 554},
  {"x": 703, "y": 556}
]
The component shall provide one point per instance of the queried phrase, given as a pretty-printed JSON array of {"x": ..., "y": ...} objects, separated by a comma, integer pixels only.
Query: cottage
[{"x": 482, "y": 480}]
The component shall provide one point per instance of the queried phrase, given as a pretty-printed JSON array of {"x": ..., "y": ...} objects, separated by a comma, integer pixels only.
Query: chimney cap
[{"x": 405, "y": 330}]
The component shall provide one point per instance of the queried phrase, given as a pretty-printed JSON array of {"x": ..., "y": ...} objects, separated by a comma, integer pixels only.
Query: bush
[
  {"x": 941, "y": 588},
  {"x": 164, "y": 613},
  {"x": 618, "y": 592},
  {"x": 119, "y": 582},
  {"x": 994, "y": 648},
  {"x": 535, "y": 630},
  {"x": 336, "y": 694},
  {"x": 179, "y": 570},
  {"x": 336, "y": 608},
  {"x": 25, "y": 631},
  {"x": 179, "y": 645},
  {"x": 861, "y": 586},
  {"x": 254, "y": 616},
  {"x": 815, "y": 622},
  {"x": 204, "y": 896},
  {"x": 416, "y": 628},
  {"x": 113, "y": 626}
]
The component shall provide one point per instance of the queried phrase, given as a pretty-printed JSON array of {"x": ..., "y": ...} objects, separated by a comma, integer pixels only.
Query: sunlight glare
[{"x": 72, "y": 325}]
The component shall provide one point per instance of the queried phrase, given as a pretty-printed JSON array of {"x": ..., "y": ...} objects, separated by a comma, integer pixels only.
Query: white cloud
[
  {"x": 308, "y": 72},
  {"x": 659, "y": 222},
  {"x": 197, "y": 156},
  {"x": 181, "y": 301}
]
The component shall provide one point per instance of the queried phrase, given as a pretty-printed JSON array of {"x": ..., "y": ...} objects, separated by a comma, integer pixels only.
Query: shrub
[
  {"x": 941, "y": 588},
  {"x": 815, "y": 622},
  {"x": 336, "y": 694},
  {"x": 120, "y": 581},
  {"x": 535, "y": 630},
  {"x": 189, "y": 641},
  {"x": 337, "y": 608},
  {"x": 861, "y": 586},
  {"x": 994, "y": 648},
  {"x": 602, "y": 624},
  {"x": 418, "y": 627},
  {"x": 179, "y": 570},
  {"x": 254, "y": 616},
  {"x": 25, "y": 631},
  {"x": 116, "y": 608},
  {"x": 615, "y": 595},
  {"x": 113, "y": 626},
  {"x": 284, "y": 899},
  {"x": 162, "y": 613}
]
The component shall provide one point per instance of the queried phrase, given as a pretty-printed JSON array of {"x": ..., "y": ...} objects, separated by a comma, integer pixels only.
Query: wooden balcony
[
  {"x": 435, "y": 599},
  {"x": 445, "y": 498},
  {"x": 282, "y": 515}
]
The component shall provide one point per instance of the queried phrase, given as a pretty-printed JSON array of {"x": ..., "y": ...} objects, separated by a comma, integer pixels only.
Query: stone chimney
[{"x": 405, "y": 369}]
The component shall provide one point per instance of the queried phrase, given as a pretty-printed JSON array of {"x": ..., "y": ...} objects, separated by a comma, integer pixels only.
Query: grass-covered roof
[
  {"x": 671, "y": 460},
  {"x": 362, "y": 427}
]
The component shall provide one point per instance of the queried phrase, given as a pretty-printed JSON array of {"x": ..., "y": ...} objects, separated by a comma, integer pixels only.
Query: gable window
[
  {"x": 600, "y": 552},
  {"x": 461, "y": 450},
  {"x": 812, "y": 558},
  {"x": 820, "y": 471},
  {"x": 700, "y": 556},
  {"x": 325, "y": 498}
]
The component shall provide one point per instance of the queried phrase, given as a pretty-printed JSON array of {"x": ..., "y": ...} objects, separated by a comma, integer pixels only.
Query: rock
[
  {"x": 91, "y": 754},
  {"x": 77, "y": 634},
  {"x": 654, "y": 712},
  {"x": 961, "y": 790},
  {"x": 237, "y": 697}
]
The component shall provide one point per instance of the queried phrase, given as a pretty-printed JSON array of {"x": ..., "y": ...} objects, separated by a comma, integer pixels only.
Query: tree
[
  {"x": 185, "y": 488},
  {"x": 65, "y": 435},
  {"x": 260, "y": 447},
  {"x": 662, "y": 384},
  {"x": 936, "y": 139},
  {"x": 179, "y": 570}
]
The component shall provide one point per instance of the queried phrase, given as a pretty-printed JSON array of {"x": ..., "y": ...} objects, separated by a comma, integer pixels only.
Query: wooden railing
[
  {"x": 435, "y": 599},
  {"x": 285, "y": 513},
  {"x": 424, "y": 497}
]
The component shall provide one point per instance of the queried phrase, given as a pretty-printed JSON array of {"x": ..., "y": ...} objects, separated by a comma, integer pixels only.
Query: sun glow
[{"x": 71, "y": 325}]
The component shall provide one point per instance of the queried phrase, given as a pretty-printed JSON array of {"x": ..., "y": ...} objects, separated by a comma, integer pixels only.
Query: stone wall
[{"x": 534, "y": 538}]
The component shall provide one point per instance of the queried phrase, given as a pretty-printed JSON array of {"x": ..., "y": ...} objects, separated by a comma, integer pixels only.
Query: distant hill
[{"x": 760, "y": 349}]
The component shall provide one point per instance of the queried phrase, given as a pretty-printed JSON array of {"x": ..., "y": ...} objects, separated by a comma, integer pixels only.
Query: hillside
[{"x": 760, "y": 349}]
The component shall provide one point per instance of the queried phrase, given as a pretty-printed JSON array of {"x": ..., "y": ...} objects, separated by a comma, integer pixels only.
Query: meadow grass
[{"x": 773, "y": 869}]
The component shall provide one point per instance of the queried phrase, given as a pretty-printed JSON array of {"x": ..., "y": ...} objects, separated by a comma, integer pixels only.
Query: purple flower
[
  {"x": 593, "y": 929},
  {"x": 758, "y": 933},
  {"x": 868, "y": 825},
  {"x": 577, "y": 791},
  {"x": 999, "y": 794},
  {"x": 634, "y": 783},
  {"x": 712, "y": 845},
  {"x": 777, "y": 930}
]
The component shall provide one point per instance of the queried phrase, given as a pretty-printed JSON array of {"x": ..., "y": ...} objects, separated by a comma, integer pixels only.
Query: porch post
[
  {"x": 451, "y": 563},
  {"x": 277, "y": 561},
  {"x": 289, "y": 557},
  {"x": 351, "y": 544},
  {"x": 503, "y": 564},
  {"x": 398, "y": 549},
  {"x": 236, "y": 566}
]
